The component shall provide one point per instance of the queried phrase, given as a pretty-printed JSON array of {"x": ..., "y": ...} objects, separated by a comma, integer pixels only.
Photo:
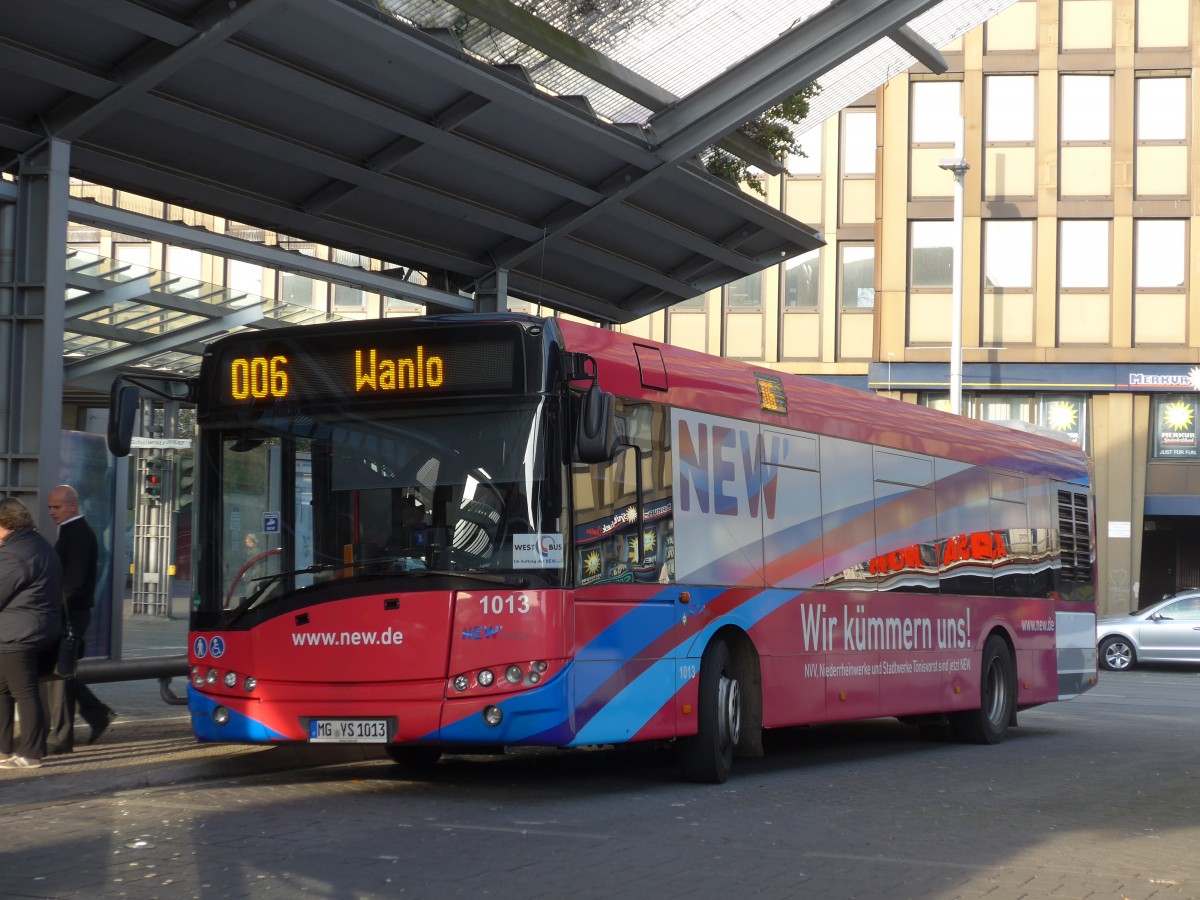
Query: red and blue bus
[{"x": 498, "y": 530}]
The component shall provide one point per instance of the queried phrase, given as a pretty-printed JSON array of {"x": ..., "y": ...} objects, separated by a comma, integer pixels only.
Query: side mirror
[
  {"x": 596, "y": 435},
  {"x": 122, "y": 414}
]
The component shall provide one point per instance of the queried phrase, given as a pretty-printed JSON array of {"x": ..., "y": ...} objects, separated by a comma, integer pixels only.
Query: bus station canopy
[{"x": 497, "y": 148}]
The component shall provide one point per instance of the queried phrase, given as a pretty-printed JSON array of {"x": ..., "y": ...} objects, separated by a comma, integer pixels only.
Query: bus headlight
[
  {"x": 540, "y": 666},
  {"x": 492, "y": 715},
  {"x": 220, "y": 715},
  {"x": 250, "y": 683},
  {"x": 461, "y": 683},
  {"x": 485, "y": 678},
  {"x": 211, "y": 676},
  {"x": 513, "y": 674},
  {"x": 230, "y": 679}
]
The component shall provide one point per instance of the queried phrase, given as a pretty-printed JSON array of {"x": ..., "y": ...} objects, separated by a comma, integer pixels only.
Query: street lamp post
[{"x": 959, "y": 167}]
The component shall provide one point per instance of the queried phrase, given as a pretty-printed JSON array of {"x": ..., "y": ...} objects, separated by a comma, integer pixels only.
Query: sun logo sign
[{"x": 1177, "y": 416}]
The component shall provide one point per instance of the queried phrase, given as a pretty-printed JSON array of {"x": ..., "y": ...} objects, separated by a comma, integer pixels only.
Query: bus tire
[
  {"x": 997, "y": 698},
  {"x": 415, "y": 756},
  {"x": 708, "y": 756}
]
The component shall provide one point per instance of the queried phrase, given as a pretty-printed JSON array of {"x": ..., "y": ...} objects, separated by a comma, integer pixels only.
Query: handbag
[
  {"x": 67, "y": 653},
  {"x": 58, "y": 661}
]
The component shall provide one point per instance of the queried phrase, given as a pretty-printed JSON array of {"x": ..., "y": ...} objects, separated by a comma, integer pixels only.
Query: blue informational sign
[{"x": 270, "y": 523}]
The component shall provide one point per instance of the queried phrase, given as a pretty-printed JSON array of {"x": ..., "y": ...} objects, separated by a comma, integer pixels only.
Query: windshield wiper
[{"x": 265, "y": 581}]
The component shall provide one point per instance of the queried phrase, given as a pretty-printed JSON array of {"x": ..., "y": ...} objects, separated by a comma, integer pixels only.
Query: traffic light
[
  {"x": 152, "y": 481},
  {"x": 185, "y": 484}
]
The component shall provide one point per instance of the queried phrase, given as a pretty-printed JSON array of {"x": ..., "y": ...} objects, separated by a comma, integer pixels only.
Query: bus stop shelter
[{"x": 556, "y": 169}]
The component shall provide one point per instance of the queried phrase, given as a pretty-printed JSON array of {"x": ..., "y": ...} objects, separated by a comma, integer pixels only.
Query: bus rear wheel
[
  {"x": 997, "y": 698},
  {"x": 708, "y": 757}
]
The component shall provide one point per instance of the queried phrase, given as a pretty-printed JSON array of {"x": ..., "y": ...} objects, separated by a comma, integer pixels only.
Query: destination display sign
[{"x": 384, "y": 365}]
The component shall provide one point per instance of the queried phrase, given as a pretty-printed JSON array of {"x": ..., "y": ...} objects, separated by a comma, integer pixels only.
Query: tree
[{"x": 773, "y": 130}]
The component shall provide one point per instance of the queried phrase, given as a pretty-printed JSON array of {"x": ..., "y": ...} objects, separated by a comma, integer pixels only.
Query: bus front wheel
[
  {"x": 708, "y": 757},
  {"x": 997, "y": 698}
]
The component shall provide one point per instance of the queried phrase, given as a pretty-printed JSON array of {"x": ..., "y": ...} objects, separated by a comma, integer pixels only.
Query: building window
[
  {"x": 1010, "y": 158},
  {"x": 1175, "y": 426},
  {"x": 1083, "y": 254},
  {"x": 802, "y": 281},
  {"x": 856, "y": 276},
  {"x": 1085, "y": 164},
  {"x": 1065, "y": 414},
  {"x": 745, "y": 293},
  {"x": 1008, "y": 254},
  {"x": 931, "y": 260},
  {"x": 1162, "y": 150}
]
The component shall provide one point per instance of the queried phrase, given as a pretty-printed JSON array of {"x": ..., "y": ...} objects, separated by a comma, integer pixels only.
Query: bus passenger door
[{"x": 625, "y": 616}]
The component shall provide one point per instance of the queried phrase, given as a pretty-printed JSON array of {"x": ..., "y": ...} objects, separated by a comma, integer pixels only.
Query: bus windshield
[{"x": 402, "y": 493}]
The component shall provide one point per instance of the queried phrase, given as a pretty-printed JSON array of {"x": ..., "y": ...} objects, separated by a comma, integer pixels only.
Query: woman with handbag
[{"x": 31, "y": 621}]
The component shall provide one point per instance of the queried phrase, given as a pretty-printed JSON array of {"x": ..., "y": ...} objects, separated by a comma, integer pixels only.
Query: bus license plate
[{"x": 348, "y": 731}]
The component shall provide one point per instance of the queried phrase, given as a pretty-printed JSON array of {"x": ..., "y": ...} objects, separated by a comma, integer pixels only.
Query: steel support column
[{"x": 33, "y": 241}]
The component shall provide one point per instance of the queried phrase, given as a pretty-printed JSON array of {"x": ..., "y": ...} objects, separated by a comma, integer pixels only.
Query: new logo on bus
[{"x": 724, "y": 468}]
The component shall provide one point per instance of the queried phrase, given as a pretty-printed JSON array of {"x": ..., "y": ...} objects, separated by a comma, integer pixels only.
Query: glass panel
[
  {"x": 296, "y": 289},
  {"x": 1086, "y": 110},
  {"x": 746, "y": 293},
  {"x": 1008, "y": 254},
  {"x": 1011, "y": 108},
  {"x": 802, "y": 281},
  {"x": 1162, "y": 109},
  {"x": 858, "y": 276},
  {"x": 810, "y": 162},
  {"x": 1004, "y": 408},
  {"x": 245, "y": 277},
  {"x": 1175, "y": 427},
  {"x": 134, "y": 254},
  {"x": 859, "y": 142},
  {"x": 1064, "y": 414},
  {"x": 186, "y": 262},
  {"x": 932, "y": 261},
  {"x": 936, "y": 115},
  {"x": 1083, "y": 254},
  {"x": 1161, "y": 253}
]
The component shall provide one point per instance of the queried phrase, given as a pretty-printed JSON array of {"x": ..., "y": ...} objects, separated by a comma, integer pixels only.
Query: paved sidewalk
[{"x": 150, "y": 743}]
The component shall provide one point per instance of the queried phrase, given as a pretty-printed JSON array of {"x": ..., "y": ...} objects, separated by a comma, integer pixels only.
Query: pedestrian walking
[
  {"x": 31, "y": 620},
  {"x": 78, "y": 551}
]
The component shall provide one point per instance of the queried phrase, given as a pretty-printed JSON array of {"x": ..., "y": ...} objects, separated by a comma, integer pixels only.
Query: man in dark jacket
[
  {"x": 78, "y": 551},
  {"x": 30, "y": 623}
]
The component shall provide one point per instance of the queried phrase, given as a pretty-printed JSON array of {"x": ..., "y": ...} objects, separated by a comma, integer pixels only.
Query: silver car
[{"x": 1168, "y": 631}]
